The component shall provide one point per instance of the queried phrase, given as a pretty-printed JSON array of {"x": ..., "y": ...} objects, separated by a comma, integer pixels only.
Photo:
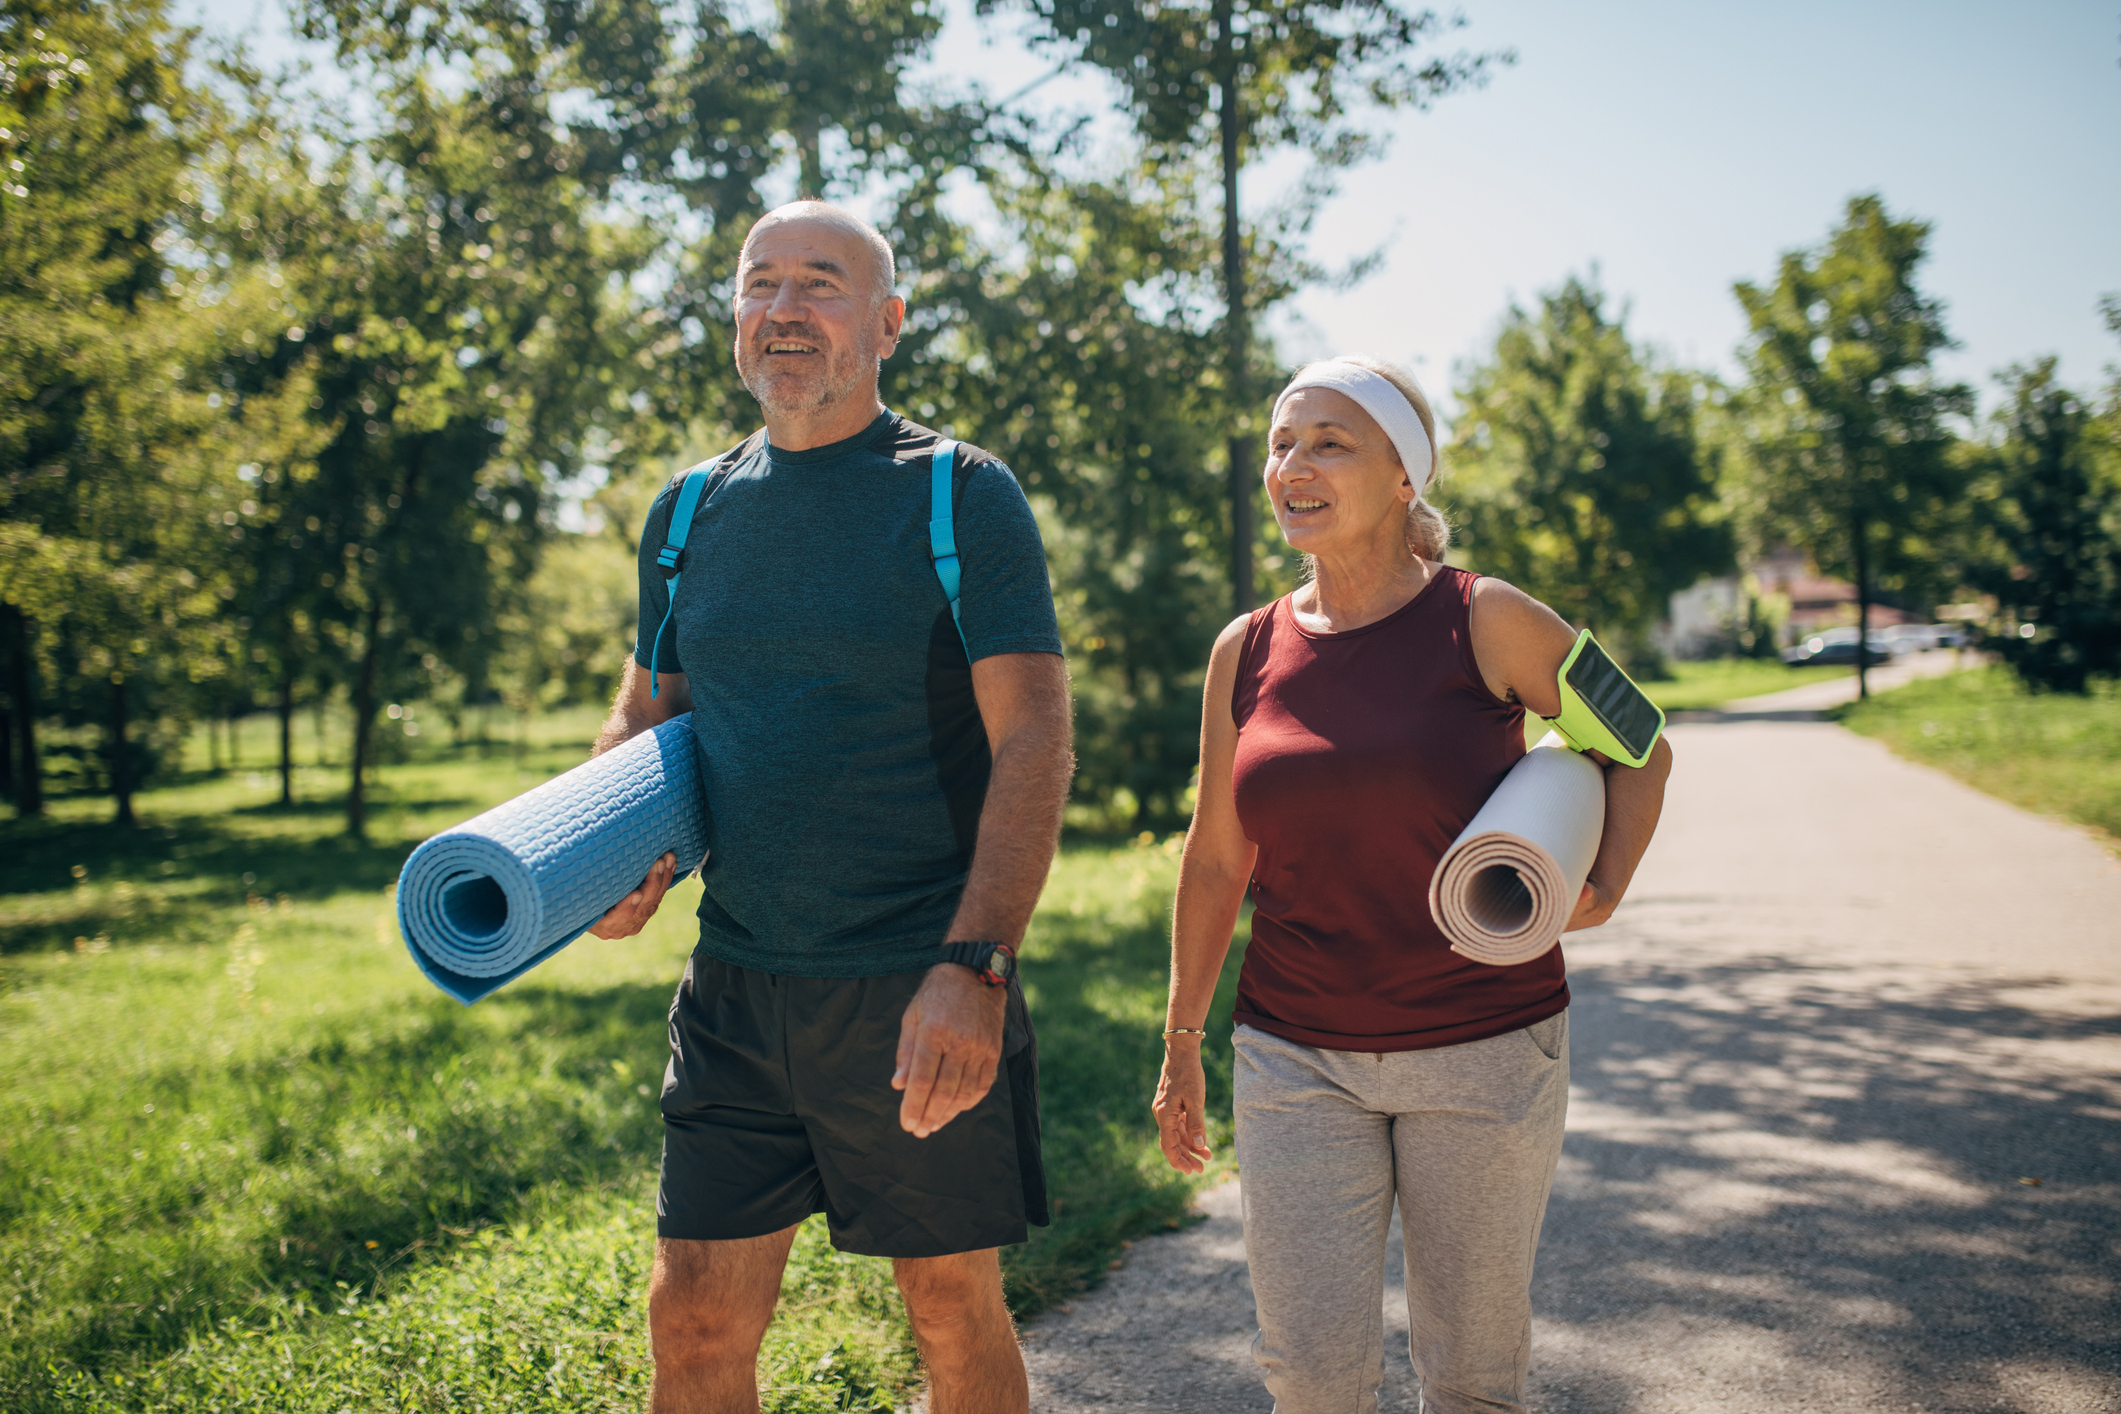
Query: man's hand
[
  {"x": 949, "y": 1047},
  {"x": 631, "y": 913},
  {"x": 1182, "y": 1106}
]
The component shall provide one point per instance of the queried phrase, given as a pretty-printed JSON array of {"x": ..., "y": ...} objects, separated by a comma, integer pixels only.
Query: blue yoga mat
[{"x": 483, "y": 903}]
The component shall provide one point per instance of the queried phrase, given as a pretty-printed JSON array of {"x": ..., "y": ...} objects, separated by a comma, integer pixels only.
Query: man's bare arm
[
  {"x": 950, "y": 1041},
  {"x": 1023, "y": 701},
  {"x": 633, "y": 711}
]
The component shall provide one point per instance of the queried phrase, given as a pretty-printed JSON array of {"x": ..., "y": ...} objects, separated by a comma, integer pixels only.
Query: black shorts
[{"x": 778, "y": 1104}]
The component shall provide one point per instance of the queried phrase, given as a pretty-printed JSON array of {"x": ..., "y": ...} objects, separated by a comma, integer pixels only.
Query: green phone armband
[{"x": 1602, "y": 709}]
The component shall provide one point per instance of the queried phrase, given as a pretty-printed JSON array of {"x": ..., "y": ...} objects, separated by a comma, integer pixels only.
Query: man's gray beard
[{"x": 839, "y": 383}]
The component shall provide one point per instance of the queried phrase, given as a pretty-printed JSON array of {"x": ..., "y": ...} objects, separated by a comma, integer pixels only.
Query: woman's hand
[
  {"x": 1182, "y": 1106},
  {"x": 1593, "y": 906},
  {"x": 631, "y": 913}
]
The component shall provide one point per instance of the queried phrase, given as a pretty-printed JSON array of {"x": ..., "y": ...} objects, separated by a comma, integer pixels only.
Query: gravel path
[{"x": 1843, "y": 1134}]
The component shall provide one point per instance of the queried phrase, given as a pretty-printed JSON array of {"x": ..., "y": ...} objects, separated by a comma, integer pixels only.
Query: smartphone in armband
[{"x": 1602, "y": 709}]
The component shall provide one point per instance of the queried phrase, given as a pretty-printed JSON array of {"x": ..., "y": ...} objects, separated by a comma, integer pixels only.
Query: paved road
[{"x": 1849, "y": 1008}]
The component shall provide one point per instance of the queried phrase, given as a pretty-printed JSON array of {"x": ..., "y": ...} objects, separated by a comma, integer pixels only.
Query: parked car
[
  {"x": 1836, "y": 647},
  {"x": 1918, "y": 638}
]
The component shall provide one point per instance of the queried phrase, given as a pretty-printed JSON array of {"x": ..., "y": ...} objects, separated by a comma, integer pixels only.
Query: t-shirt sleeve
[
  {"x": 655, "y": 591},
  {"x": 1005, "y": 600}
]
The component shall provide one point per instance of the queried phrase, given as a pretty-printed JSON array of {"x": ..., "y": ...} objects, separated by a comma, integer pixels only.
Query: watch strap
[{"x": 979, "y": 956}]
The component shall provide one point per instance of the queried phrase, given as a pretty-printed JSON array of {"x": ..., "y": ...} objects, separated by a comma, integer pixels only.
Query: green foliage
[
  {"x": 1077, "y": 360},
  {"x": 1576, "y": 472},
  {"x": 570, "y": 629},
  {"x": 1846, "y": 424},
  {"x": 1300, "y": 65},
  {"x": 249, "y": 1159},
  {"x": 1280, "y": 73},
  {"x": 2055, "y": 517},
  {"x": 2054, "y": 754},
  {"x": 97, "y": 131}
]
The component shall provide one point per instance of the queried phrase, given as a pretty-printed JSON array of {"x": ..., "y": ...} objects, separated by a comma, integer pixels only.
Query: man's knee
[
  {"x": 712, "y": 1301},
  {"x": 945, "y": 1293}
]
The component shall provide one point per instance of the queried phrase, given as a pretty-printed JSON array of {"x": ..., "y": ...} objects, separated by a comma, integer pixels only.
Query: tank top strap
[{"x": 1252, "y": 659}]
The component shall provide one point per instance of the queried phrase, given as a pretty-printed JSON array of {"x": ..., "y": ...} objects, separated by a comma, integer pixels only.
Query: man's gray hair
[{"x": 811, "y": 209}]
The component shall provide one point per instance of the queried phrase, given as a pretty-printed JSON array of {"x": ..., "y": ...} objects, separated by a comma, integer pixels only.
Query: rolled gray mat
[
  {"x": 486, "y": 901},
  {"x": 1505, "y": 888}
]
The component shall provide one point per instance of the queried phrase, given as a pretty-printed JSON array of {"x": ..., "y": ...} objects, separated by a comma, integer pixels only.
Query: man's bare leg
[
  {"x": 708, "y": 1307},
  {"x": 966, "y": 1338}
]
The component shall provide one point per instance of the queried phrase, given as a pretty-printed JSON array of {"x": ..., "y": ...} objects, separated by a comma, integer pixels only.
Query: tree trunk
[
  {"x": 1237, "y": 330},
  {"x": 233, "y": 725},
  {"x": 121, "y": 774},
  {"x": 22, "y": 687},
  {"x": 1859, "y": 532},
  {"x": 810, "y": 162},
  {"x": 364, "y": 708},
  {"x": 286, "y": 707},
  {"x": 213, "y": 743},
  {"x": 7, "y": 755}
]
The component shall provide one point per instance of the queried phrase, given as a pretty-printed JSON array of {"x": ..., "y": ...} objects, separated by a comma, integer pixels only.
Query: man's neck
[{"x": 800, "y": 429}]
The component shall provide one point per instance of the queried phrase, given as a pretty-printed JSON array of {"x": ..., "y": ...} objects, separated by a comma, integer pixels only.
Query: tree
[
  {"x": 1847, "y": 423},
  {"x": 2055, "y": 513},
  {"x": 1281, "y": 73},
  {"x": 1080, "y": 354},
  {"x": 1576, "y": 473},
  {"x": 97, "y": 127}
]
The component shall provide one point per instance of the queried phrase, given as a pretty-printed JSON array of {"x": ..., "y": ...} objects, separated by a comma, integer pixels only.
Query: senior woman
[{"x": 1350, "y": 732}]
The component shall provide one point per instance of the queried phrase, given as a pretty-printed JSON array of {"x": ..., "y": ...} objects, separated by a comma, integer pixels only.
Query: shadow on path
[
  {"x": 1784, "y": 1181},
  {"x": 1784, "y": 1186}
]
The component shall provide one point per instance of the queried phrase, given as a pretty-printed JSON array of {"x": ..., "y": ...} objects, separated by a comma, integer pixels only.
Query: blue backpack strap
[
  {"x": 942, "y": 534},
  {"x": 671, "y": 558}
]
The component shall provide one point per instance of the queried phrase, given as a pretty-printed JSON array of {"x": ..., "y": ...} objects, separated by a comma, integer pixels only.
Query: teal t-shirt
[{"x": 842, "y": 749}]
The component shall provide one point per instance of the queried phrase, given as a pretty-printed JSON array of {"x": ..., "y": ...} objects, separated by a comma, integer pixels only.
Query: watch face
[{"x": 1002, "y": 963}]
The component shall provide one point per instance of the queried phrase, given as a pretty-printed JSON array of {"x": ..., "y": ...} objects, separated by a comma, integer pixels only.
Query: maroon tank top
[{"x": 1360, "y": 758}]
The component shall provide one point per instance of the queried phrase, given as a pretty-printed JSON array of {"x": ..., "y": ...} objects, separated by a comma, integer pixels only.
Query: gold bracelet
[{"x": 1183, "y": 1031}]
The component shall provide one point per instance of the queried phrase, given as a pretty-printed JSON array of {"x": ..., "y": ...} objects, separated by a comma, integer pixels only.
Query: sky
[{"x": 1677, "y": 147}]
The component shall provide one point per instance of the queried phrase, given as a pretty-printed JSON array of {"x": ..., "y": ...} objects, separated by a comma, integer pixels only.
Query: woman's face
[{"x": 1333, "y": 475}]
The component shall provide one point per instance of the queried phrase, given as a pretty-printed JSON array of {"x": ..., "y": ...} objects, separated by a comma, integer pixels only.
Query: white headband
[{"x": 1375, "y": 395}]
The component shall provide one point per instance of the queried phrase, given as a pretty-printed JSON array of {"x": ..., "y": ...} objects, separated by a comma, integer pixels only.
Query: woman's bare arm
[
  {"x": 1212, "y": 877},
  {"x": 1520, "y": 645}
]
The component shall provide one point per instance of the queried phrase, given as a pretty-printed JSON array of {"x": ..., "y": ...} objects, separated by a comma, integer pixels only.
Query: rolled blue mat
[{"x": 486, "y": 901}]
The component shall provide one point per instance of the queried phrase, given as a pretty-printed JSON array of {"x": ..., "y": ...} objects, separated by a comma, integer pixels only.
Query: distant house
[{"x": 1700, "y": 621}]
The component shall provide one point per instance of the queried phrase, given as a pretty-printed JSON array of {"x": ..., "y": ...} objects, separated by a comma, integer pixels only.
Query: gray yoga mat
[
  {"x": 1505, "y": 888},
  {"x": 484, "y": 902}
]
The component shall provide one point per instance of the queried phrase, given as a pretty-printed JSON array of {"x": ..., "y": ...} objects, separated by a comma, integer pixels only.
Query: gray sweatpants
[{"x": 1465, "y": 1138}]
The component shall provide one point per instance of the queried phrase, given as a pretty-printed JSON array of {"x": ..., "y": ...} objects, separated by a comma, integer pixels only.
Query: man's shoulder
[
  {"x": 729, "y": 456},
  {"x": 905, "y": 440}
]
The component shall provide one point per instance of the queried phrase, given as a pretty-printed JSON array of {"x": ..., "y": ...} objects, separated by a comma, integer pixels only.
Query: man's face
[{"x": 809, "y": 328}]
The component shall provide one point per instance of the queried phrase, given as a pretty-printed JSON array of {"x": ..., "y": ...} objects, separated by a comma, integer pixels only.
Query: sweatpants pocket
[{"x": 1551, "y": 1035}]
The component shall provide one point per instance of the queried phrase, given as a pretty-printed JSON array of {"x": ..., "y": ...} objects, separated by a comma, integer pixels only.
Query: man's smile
[{"x": 789, "y": 346}]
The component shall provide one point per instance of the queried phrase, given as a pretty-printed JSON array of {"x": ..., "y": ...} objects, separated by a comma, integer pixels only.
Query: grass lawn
[
  {"x": 251, "y": 1160},
  {"x": 2055, "y": 755},
  {"x": 1709, "y": 684}
]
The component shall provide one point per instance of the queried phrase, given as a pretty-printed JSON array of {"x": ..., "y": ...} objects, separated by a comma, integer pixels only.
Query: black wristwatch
[{"x": 994, "y": 962}]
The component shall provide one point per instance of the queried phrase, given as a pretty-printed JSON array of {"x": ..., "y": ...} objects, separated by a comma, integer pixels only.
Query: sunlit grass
[
  {"x": 251, "y": 1159},
  {"x": 2054, "y": 754},
  {"x": 1721, "y": 680}
]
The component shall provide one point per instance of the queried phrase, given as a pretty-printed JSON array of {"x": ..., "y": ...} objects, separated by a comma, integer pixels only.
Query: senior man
[{"x": 885, "y": 782}]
